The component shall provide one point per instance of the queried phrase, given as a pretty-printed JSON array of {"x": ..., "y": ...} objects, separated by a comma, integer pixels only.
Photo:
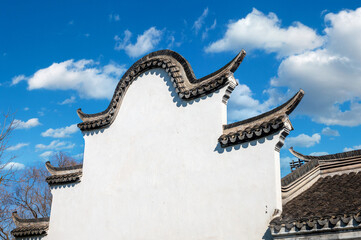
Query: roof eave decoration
[
  {"x": 29, "y": 227},
  {"x": 327, "y": 158},
  {"x": 186, "y": 84},
  {"x": 330, "y": 161},
  {"x": 261, "y": 125},
  {"x": 63, "y": 175},
  {"x": 279, "y": 227}
]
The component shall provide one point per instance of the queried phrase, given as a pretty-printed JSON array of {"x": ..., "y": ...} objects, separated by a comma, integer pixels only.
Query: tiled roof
[
  {"x": 64, "y": 178},
  {"x": 186, "y": 84},
  {"x": 330, "y": 201},
  {"x": 259, "y": 126},
  {"x": 323, "y": 162},
  {"x": 322, "y": 195},
  {"x": 29, "y": 227},
  {"x": 64, "y": 175}
]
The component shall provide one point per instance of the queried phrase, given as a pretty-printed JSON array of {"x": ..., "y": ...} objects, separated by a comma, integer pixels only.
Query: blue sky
[{"x": 57, "y": 56}]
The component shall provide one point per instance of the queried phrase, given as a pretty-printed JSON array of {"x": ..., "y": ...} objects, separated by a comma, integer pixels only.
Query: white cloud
[
  {"x": 114, "y": 17},
  {"x": 60, "y": 132},
  {"x": 330, "y": 132},
  {"x": 78, "y": 156},
  {"x": 303, "y": 140},
  {"x": 200, "y": 21},
  {"x": 86, "y": 77},
  {"x": 26, "y": 109},
  {"x": 260, "y": 31},
  {"x": 205, "y": 33},
  {"x": 15, "y": 80},
  {"x": 55, "y": 145},
  {"x": 33, "y": 122},
  {"x": 68, "y": 100},
  {"x": 331, "y": 75},
  {"x": 46, "y": 155},
  {"x": 347, "y": 149},
  {"x": 17, "y": 146},
  {"x": 243, "y": 105},
  {"x": 318, "y": 153},
  {"x": 285, "y": 162},
  {"x": 13, "y": 166},
  {"x": 145, "y": 42}
]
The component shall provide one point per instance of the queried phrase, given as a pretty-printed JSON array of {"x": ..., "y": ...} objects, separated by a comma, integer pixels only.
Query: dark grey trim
[
  {"x": 260, "y": 126},
  {"x": 187, "y": 85}
]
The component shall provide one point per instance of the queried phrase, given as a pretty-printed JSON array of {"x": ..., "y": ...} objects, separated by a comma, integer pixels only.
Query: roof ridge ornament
[
  {"x": 262, "y": 125},
  {"x": 186, "y": 84},
  {"x": 63, "y": 175},
  {"x": 328, "y": 157},
  {"x": 29, "y": 227}
]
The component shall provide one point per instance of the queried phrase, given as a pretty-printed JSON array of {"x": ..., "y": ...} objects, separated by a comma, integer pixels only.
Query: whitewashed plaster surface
[{"x": 158, "y": 173}]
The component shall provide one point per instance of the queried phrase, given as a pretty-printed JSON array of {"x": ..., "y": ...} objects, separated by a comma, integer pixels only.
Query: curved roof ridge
[
  {"x": 63, "y": 170},
  {"x": 21, "y": 222},
  {"x": 29, "y": 227},
  {"x": 261, "y": 125},
  {"x": 299, "y": 172},
  {"x": 286, "y": 108},
  {"x": 186, "y": 84},
  {"x": 328, "y": 157},
  {"x": 63, "y": 175}
]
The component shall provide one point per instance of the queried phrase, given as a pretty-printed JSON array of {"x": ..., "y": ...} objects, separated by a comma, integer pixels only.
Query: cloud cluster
[
  {"x": 327, "y": 131},
  {"x": 85, "y": 76},
  {"x": 318, "y": 153},
  {"x": 33, "y": 122},
  {"x": 326, "y": 66},
  {"x": 60, "y": 132},
  {"x": 17, "y": 146},
  {"x": 12, "y": 166},
  {"x": 114, "y": 17},
  {"x": 200, "y": 21},
  {"x": 242, "y": 105},
  {"x": 68, "y": 101},
  {"x": 260, "y": 31},
  {"x": 347, "y": 149},
  {"x": 145, "y": 42},
  {"x": 330, "y": 75},
  {"x": 55, "y": 145},
  {"x": 303, "y": 140},
  {"x": 46, "y": 155}
]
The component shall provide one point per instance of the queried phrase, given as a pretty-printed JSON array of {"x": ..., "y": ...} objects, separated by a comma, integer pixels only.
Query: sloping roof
[
  {"x": 329, "y": 198},
  {"x": 187, "y": 85},
  {"x": 323, "y": 162},
  {"x": 329, "y": 157},
  {"x": 64, "y": 175},
  {"x": 29, "y": 227},
  {"x": 327, "y": 202},
  {"x": 261, "y": 125}
]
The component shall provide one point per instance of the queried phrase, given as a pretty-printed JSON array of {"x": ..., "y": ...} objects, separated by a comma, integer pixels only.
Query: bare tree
[
  {"x": 62, "y": 159},
  {"x": 7, "y": 125},
  {"x": 7, "y": 175},
  {"x": 30, "y": 195}
]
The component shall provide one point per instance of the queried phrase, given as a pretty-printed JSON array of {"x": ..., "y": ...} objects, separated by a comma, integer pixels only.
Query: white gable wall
[{"x": 158, "y": 173}]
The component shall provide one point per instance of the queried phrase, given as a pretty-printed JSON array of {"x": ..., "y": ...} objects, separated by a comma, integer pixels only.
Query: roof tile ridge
[
  {"x": 63, "y": 170},
  {"x": 182, "y": 76},
  {"x": 327, "y": 157},
  {"x": 284, "y": 109},
  {"x": 24, "y": 222},
  {"x": 299, "y": 172},
  {"x": 262, "y": 125}
]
